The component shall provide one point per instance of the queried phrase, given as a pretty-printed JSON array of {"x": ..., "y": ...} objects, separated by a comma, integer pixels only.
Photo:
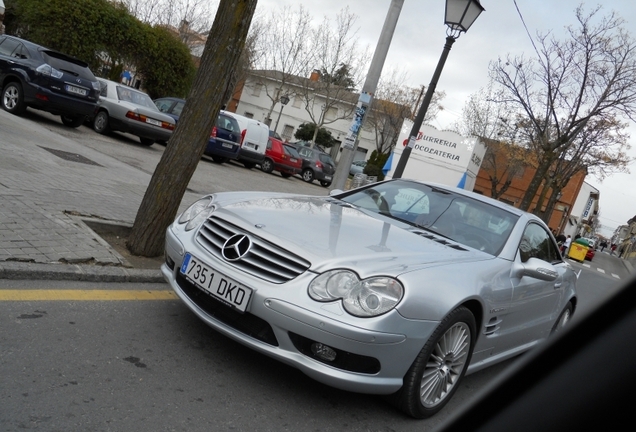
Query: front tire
[
  {"x": 13, "y": 98},
  {"x": 564, "y": 319},
  {"x": 100, "y": 123},
  {"x": 325, "y": 183},
  {"x": 72, "y": 121},
  {"x": 308, "y": 175},
  {"x": 438, "y": 369},
  {"x": 146, "y": 141},
  {"x": 267, "y": 166}
]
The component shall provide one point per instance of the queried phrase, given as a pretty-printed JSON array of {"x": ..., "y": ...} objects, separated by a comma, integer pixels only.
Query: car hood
[{"x": 330, "y": 233}]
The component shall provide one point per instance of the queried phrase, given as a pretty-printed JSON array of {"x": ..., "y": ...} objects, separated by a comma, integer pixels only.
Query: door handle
[{"x": 557, "y": 285}]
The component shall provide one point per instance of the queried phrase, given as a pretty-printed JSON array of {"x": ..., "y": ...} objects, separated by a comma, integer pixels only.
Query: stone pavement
[{"x": 48, "y": 186}]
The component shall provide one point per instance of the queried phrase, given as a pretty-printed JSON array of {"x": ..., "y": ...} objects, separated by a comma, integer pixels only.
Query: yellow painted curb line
[{"x": 85, "y": 295}]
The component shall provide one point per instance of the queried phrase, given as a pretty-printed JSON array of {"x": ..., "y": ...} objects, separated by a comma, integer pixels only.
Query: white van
[{"x": 254, "y": 140}]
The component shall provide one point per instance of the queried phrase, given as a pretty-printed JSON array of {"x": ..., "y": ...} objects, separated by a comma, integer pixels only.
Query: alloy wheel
[{"x": 445, "y": 365}]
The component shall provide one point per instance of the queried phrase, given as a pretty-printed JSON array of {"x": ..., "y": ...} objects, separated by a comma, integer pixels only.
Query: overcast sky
[{"x": 420, "y": 37}]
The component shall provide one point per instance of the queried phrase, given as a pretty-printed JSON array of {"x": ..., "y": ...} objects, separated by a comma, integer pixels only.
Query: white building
[
  {"x": 583, "y": 211},
  {"x": 255, "y": 101}
]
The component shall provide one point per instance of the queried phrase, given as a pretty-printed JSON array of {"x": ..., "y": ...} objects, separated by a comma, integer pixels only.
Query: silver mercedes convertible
[{"x": 397, "y": 288}]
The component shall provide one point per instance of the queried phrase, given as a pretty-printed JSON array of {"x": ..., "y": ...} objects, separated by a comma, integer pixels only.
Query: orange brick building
[{"x": 519, "y": 184}]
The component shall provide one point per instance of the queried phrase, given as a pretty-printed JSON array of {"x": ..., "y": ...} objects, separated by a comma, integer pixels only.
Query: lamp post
[
  {"x": 284, "y": 100},
  {"x": 2, "y": 17},
  {"x": 460, "y": 15}
]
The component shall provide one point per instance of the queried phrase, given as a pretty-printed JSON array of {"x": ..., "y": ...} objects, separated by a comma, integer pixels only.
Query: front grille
[
  {"x": 246, "y": 323},
  {"x": 344, "y": 360},
  {"x": 264, "y": 260}
]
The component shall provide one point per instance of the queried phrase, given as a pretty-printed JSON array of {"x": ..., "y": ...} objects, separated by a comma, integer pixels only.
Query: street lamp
[
  {"x": 460, "y": 15},
  {"x": 1, "y": 16},
  {"x": 284, "y": 100}
]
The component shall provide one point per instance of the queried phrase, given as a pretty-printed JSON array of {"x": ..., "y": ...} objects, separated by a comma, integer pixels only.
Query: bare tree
[
  {"x": 190, "y": 18},
  {"x": 185, "y": 148},
  {"x": 340, "y": 64},
  {"x": 283, "y": 53},
  {"x": 491, "y": 122},
  {"x": 572, "y": 88},
  {"x": 393, "y": 102}
]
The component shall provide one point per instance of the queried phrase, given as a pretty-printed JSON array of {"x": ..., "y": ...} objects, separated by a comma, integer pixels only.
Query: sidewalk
[{"x": 48, "y": 186}]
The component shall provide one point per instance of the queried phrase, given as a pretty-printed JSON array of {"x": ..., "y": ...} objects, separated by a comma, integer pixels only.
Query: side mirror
[{"x": 535, "y": 268}]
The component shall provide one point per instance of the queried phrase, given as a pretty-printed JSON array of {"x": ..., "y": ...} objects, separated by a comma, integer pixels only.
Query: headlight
[
  {"x": 364, "y": 298},
  {"x": 196, "y": 213},
  {"x": 96, "y": 85}
]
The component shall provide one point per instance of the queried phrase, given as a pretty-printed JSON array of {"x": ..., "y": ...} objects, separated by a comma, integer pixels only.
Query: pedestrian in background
[{"x": 566, "y": 245}]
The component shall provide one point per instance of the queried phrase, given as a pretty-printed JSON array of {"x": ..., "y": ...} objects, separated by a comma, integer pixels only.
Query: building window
[
  {"x": 256, "y": 90},
  {"x": 248, "y": 114},
  {"x": 288, "y": 132}
]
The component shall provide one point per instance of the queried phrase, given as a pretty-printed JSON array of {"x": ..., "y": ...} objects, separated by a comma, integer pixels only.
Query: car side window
[
  {"x": 8, "y": 47},
  {"x": 178, "y": 108},
  {"x": 536, "y": 243},
  {"x": 103, "y": 88}
]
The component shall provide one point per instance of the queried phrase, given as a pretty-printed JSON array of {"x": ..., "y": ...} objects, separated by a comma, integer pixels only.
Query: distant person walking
[
  {"x": 612, "y": 249},
  {"x": 566, "y": 245},
  {"x": 603, "y": 245}
]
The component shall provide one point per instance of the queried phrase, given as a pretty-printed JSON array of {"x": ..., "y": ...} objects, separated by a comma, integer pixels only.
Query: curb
[{"x": 76, "y": 272}]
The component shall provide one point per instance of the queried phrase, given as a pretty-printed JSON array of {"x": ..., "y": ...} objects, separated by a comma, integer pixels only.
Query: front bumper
[{"x": 281, "y": 317}]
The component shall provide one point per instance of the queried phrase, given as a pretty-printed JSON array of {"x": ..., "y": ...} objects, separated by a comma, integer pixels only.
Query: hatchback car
[
  {"x": 225, "y": 139},
  {"x": 125, "y": 109},
  {"x": 281, "y": 157},
  {"x": 398, "y": 287},
  {"x": 37, "y": 77},
  {"x": 317, "y": 165}
]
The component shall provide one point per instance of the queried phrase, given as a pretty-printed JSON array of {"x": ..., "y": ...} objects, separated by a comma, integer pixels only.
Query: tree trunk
[
  {"x": 535, "y": 183},
  {"x": 185, "y": 148}
]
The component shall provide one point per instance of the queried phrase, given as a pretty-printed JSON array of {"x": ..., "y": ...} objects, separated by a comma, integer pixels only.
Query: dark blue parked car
[
  {"x": 34, "y": 76},
  {"x": 225, "y": 139}
]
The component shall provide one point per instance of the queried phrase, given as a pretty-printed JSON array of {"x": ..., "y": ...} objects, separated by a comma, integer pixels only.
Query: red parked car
[{"x": 281, "y": 157}]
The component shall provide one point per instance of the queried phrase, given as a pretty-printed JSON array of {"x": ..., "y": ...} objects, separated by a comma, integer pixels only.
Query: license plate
[
  {"x": 327, "y": 177},
  {"x": 153, "y": 122},
  {"x": 293, "y": 160},
  {"x": 76, "y": 90},
  {"x": 226, "y": 145},
  {"x": 215, "y": 283},
  {"x": 250, "y": 145}
]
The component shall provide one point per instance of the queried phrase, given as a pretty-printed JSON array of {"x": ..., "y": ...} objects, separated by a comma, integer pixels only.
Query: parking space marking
[
  {"x": 84, "y": 295},
  {"x": 586, "y": 265},
  {"x": 601, "y": 270}
]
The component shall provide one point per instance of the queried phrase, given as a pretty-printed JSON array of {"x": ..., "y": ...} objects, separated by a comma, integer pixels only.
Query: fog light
[
  {"x": 323, "y": 351},
  {"x": 169, "y": 261}
]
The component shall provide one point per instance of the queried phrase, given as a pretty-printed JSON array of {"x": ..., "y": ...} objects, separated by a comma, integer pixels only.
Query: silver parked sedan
[
  {"x": 398, "y": 287},
  {"x": 125, "y": 109}
]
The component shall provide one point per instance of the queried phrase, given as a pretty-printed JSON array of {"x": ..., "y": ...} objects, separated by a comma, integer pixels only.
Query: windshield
[{"x": 468, "y": 221}]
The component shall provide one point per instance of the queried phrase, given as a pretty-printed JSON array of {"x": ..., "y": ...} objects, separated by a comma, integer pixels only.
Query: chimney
[{"x": 315, "y": 75}]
